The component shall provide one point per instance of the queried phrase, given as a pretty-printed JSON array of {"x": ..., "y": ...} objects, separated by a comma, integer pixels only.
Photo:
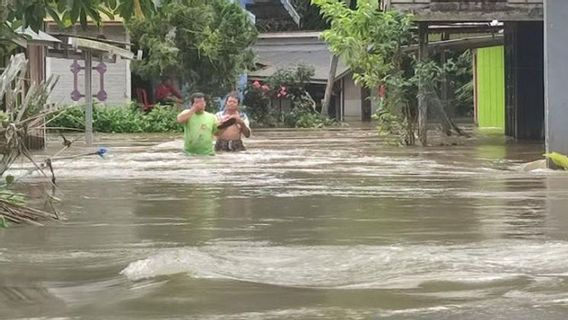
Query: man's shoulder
[
  {"x": 210, "y": 115},
  {"x": 205, "y": 115}
]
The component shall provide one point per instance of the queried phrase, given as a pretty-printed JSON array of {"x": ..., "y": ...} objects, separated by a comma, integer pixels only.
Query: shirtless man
[{"x": 229, "y": 138}]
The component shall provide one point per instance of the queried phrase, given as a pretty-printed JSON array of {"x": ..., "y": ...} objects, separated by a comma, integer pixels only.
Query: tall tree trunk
[
  {"x": 329, "y": 86},
  {"x": 331, "y": 77},
  {"x": 444, "y": 90}
]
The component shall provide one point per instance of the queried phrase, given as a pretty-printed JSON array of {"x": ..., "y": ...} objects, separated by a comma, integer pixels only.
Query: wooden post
[
  {"x": 366, "y": 107},
  {"x": 444, "y": 88},
  {"x": 422, "y": 101},
  {"x": 329, "y": 86},
  {"x": 88, "y": 97},
  {"x": 340, "y": 101}
]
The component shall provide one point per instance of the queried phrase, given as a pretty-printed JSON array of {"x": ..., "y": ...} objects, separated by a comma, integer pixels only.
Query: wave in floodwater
[
  {"x": 363, "y": 267},
  {"x": 312, "y": 169}
]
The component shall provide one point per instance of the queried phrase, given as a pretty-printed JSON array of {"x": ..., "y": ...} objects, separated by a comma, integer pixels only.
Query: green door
[{"x": 490, "y": 87}]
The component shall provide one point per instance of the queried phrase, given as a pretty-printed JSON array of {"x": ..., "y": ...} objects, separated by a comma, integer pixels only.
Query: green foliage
[
  {"x": 9, "y": 179},
  {"x": 302, "y": 118},
  {"x": 257, "y": 104},
  {"x": 294, "y": 81},
  {"x": 120, "y": 119},
  {"x": 393, "y": 128},
  {"x": 3, "y": 118},
  {"x": 31, "y": 13},
  {"x": 12, "y": 197},
  {"x": 370, "y": 42},
  {"x": 558, "y": 159},
  {"x": 289, "y": 84},
  {"x": 205, "y": 43},
  {"x": 461, "y": 78},
  {"x": 464, "y": 97}
]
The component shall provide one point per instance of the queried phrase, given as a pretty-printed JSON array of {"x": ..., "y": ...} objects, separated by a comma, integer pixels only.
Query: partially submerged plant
[
  {"x": 25, "y": 113},
  {"x": 560, "y": 160}
]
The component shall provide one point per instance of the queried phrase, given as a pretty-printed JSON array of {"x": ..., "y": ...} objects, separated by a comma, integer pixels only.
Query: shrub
[{"x": 120, "y": 119}]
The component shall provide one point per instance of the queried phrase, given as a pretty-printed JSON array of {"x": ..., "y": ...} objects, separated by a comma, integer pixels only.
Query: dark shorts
[{"x": 229, "y": 145}]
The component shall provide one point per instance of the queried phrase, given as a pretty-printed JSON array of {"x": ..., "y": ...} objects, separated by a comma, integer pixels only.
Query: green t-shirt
[{"x": 198, "y": 134}]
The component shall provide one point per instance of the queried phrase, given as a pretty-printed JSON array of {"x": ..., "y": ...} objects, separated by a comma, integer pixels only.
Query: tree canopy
[
  {"x": 368, "y": 40},
  {"x": 204, "y": 43},
  {"x": 32, "y": 13},
  {"x": 371, "y": 42}
]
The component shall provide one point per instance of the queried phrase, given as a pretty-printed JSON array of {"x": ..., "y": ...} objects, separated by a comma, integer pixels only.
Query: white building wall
[
  {"x": 352, "y": 92},
  {"x": 116, "y": 78}
]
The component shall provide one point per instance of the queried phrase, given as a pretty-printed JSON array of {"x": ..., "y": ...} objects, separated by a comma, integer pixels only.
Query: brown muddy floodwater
[{"x": 304, "y": 225}]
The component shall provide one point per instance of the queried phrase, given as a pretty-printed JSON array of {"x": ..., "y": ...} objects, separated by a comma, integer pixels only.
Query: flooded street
[{"x": 303, "y": 225}]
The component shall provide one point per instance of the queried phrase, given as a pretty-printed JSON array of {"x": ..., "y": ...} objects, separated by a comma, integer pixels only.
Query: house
[
  {"x": 290, "y": 49},
  {"x": 523, "y": 55},
  {"x": 112, "y": 86},
  {"x": 117, "y": 79}
]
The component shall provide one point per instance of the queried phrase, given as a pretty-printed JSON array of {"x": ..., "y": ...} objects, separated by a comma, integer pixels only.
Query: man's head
[
  {"x": 232, "y": 102},
  {"x": 198, "y": 101}
]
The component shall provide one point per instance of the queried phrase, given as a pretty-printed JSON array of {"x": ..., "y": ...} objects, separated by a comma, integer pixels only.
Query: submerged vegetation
[{"x": 22, "y": 119}]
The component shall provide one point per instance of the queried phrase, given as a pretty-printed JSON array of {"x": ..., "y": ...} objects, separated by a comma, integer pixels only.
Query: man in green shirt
[{"x": 200, "y": 127}]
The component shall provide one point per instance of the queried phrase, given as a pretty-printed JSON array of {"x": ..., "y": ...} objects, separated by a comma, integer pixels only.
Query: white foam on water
[
  {"x": 284, "y": 173},
  {"x": 359, "y": 267},
  {"x": 166, "y": 161}
]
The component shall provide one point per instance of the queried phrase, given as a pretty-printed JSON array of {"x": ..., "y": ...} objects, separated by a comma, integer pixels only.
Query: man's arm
[
  {"x": 185, "y": 115},
  {"x": 245, "y": 130}
]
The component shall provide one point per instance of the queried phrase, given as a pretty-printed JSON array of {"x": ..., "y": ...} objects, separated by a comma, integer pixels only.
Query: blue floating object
[{"x": 101, "y": 152}]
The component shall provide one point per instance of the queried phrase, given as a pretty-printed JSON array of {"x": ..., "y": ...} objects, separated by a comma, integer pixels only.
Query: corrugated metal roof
[
  {"x": 28, "y": 36},
  {"x": 290, "y": 34},
  {"x": 286, "y": 51},
  {"x": 37, "y": 36}
]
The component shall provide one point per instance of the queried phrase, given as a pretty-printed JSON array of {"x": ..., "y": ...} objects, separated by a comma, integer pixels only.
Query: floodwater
[{"x": 304, "y": 225}]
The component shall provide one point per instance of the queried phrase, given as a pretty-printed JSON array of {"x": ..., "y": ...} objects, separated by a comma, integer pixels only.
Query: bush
[
  {"x": 299, "y": 118},
  {"x": 120, "y": 119},
  {"x": 289, "y": 84}
]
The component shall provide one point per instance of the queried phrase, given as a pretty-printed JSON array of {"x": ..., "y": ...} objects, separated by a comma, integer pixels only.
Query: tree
[
  {"x": 206, "y": 43},
  {"x": 32, "y": 13},
  {"x": 23, "y": 115},
  {"x": 372, "y": 43}
]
